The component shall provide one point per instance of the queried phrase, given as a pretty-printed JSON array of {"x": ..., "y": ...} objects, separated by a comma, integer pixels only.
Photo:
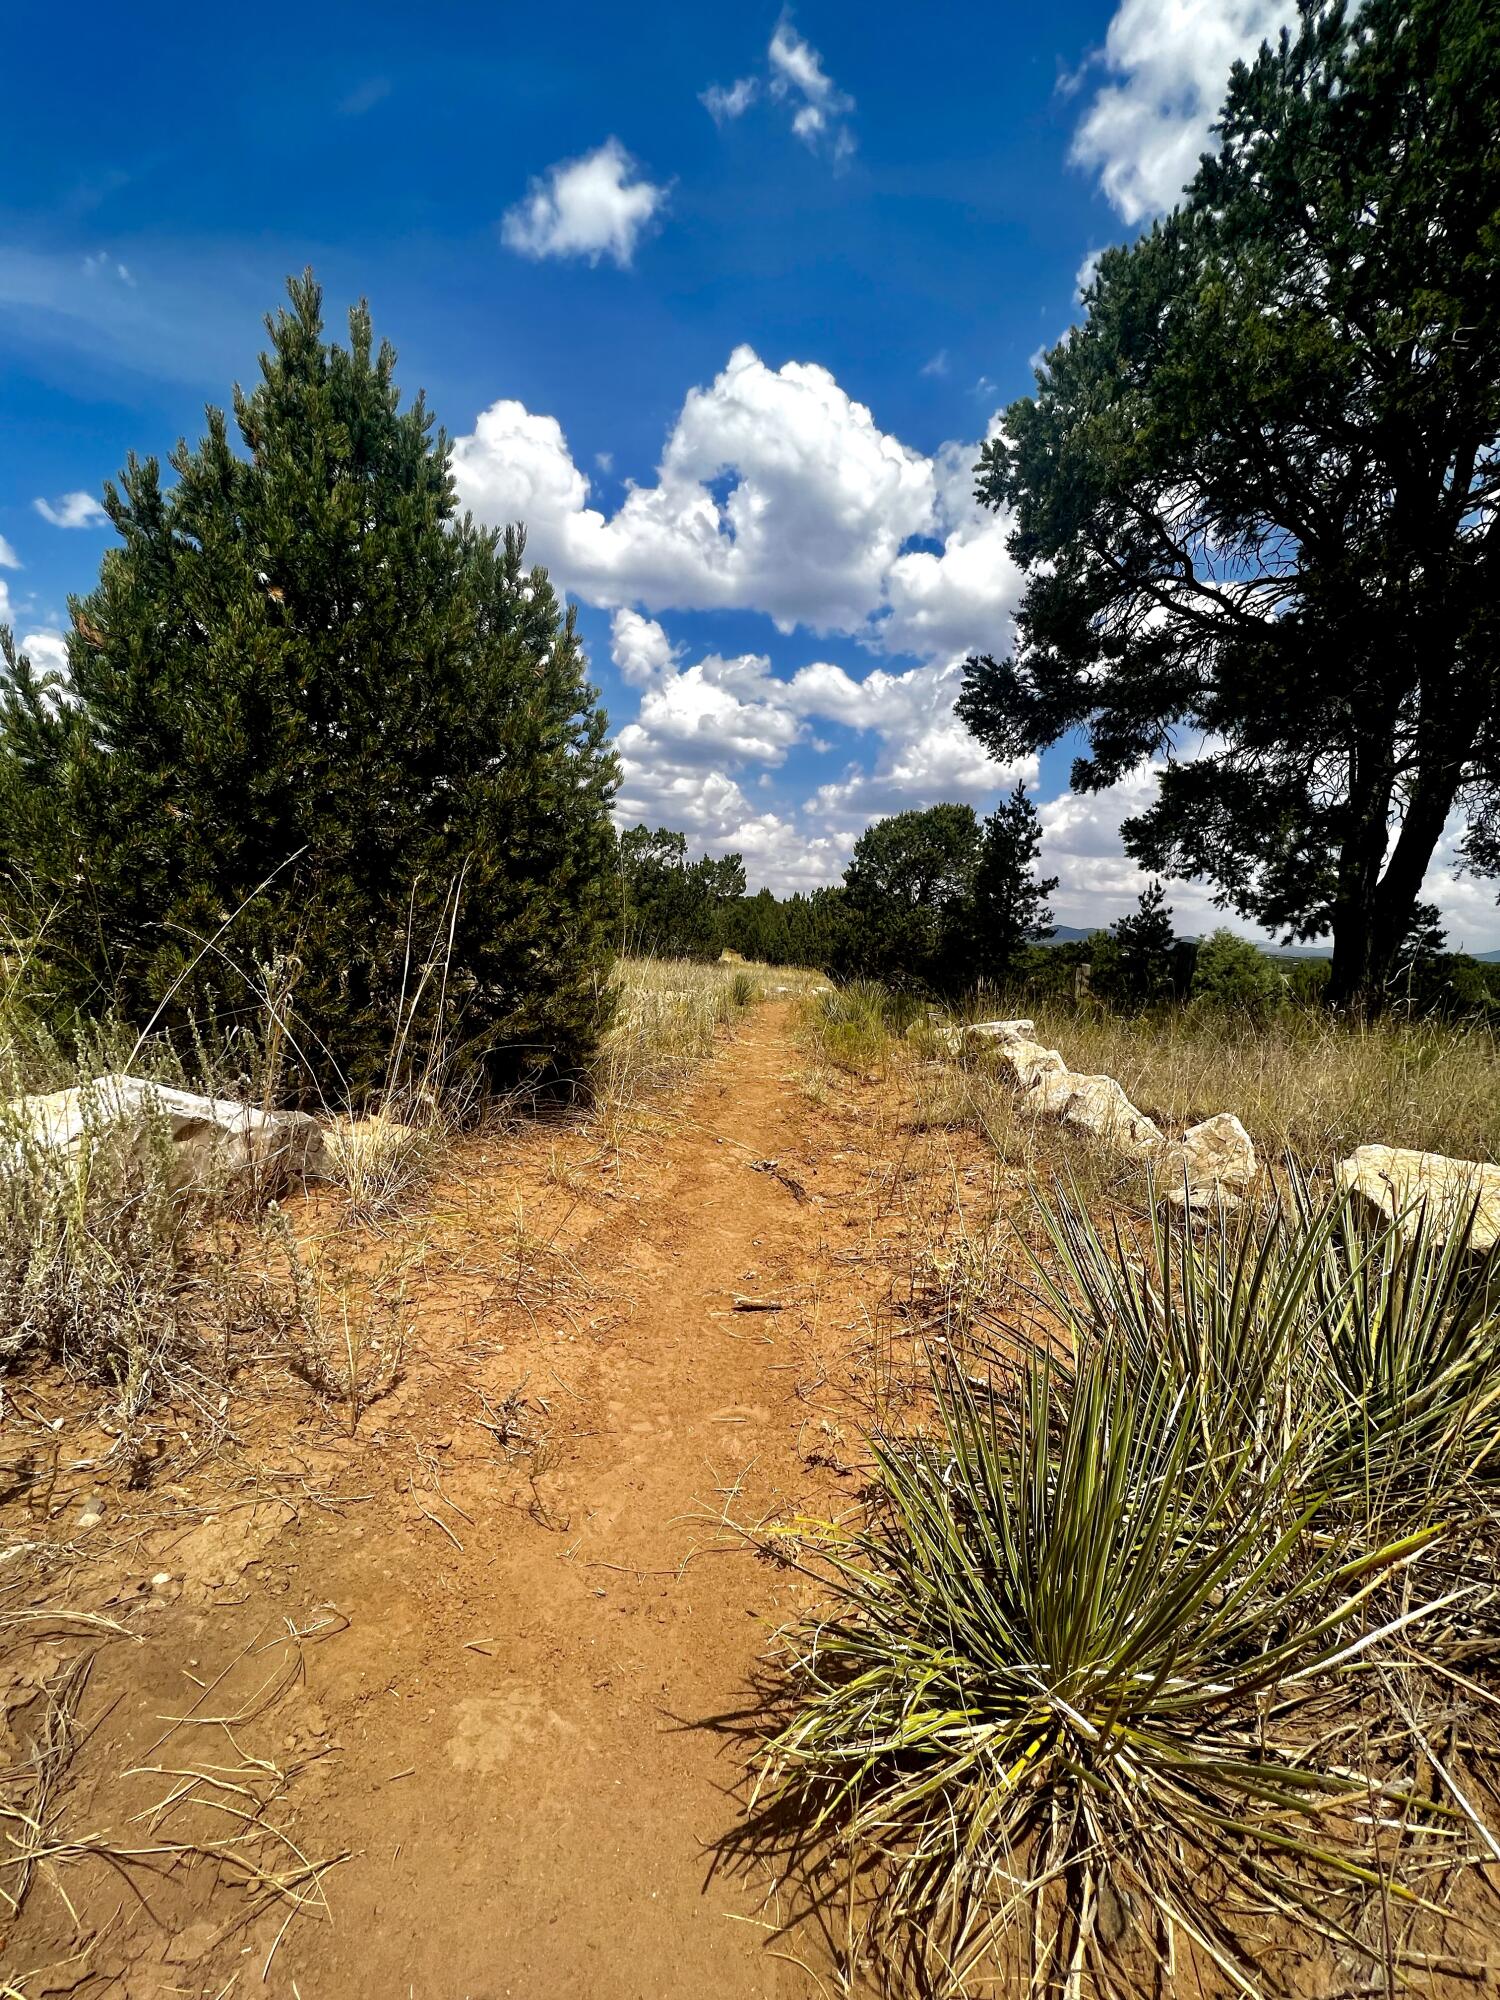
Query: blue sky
[{"x": 720, "y": 301}]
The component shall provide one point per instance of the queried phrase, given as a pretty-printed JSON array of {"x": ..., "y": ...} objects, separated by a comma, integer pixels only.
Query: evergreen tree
[
  {"x": 908, "y": 894},
  {"x": 1139, "y": 969},
  {"x": 1257, "y": 493},
  {"x": 673, "y": 907},
  {"x": 1009, "y": 902},
  {"x": 315, "y": 717}
]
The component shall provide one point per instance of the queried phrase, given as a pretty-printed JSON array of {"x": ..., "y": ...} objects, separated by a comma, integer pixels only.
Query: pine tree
[
  {"x": 1010, "y": 903},
  {"x": 317, "y": 718},
  {"x": 1143, "y": 949}
]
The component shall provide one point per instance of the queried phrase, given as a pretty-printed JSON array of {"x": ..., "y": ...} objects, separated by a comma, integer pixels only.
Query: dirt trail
[
  {"x": 555, "y": 1834},
  {"x": 503, "y": 1703}
]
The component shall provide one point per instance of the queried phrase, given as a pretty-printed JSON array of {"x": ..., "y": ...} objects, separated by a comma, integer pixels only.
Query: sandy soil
[{"x": 462, "y": 1692}]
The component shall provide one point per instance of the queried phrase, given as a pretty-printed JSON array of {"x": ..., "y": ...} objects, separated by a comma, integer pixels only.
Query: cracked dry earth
[{"x": 439, "y": 1710}]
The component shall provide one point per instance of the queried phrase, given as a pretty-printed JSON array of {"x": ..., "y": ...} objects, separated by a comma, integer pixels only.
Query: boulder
[
  {"x": 999, "y": 1031},
  {"x": 1097, "y": 1105},
  {"x": 1398, "y": 1184},
  {"x": 212, "y": 1141},
  {"x": 1212, "y": 1163},
  {"x": 1029, "y": 1064}
]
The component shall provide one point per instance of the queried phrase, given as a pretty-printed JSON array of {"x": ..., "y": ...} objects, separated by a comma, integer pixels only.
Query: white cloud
[
  {"x": 73, "y": 510},
  {"x": 639, "y": 647},
  {"x": 726, "y": 102},
  {"x": 8, "y": 557},
  {"x": 925, "y": 754},
  {"x": 956, "y": 601},
  {"x": 47, "y": 649},
  {"x": 820, "y": 110},
  {"x": 1467, "y": 902},
  {"x": 1098, "y": 882},
  {"x": 776, "y": 492},
  {"x": 939, "y": 365},
  {"x": 813, "y": 529},
  {"x": 1143, "y": 133},
  {"x": 1087, "y": 271},
  {"x": 595, "y": 206}
]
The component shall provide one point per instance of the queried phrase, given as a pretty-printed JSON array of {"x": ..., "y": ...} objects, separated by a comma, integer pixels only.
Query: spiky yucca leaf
[
  {"x": 1074, "y": 1656},
  {"x": 1374, "y": 1350}
]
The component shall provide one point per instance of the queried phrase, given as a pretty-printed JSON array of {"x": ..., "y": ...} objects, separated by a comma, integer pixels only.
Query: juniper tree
[
  {"x": 908, "y": 897},
  {"x": 1255, "y": 493},
  {"x": 314, "y": 716}
]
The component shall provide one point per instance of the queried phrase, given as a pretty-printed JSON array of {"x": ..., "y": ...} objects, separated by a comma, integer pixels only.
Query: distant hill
[{"x": 1070, "y": 934}]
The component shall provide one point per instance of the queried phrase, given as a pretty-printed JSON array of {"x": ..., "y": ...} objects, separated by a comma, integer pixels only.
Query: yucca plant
[
  {"x": 1373, "y": 1352},
  {"x": 1073, "y": 1696}
]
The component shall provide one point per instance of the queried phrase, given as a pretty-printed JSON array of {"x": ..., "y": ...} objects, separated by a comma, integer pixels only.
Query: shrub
[
  {"x": 1229, "y": 973},
  {"x": 315, "y": 719},
  {"x": 1079, "y": 1678},
  {"x": 1106, "y": 1664}
]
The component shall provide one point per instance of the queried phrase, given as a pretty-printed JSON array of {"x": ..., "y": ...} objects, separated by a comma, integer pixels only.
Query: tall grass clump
[
  {"x": 1097, "y": 1689},
  {"x": 103, "y": 1268},
  {"x": 668, "y": 1016},
  {"x": 855, "y": 1026}
]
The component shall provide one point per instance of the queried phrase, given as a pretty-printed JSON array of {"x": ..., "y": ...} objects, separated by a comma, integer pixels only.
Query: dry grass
[
  {"x": 1300, "y": 1082},
  {"x": 670, "y": 1015}
]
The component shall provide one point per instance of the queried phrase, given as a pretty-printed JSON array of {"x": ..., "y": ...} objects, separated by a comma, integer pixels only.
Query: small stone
[
  {"x": 162, "y": 1581},
  {"x": 91, "y": 1513}
]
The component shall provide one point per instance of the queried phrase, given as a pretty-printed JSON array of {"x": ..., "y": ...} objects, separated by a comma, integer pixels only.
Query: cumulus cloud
[
  {"x": 925, "y": 753},
  {"x": 726, "y": 102},
  {"x": 1169, "y": 61},
  {"x": 73, "y": 510},
  {"x": 639, "y": 647},
  {"x": 47, "y": 649},
  {"x": 1097, "y": 881},
  {"x": 700, "y": 728},
  {"x": 776, "y": 492},
  {"x": 595, "y": 206},
  {"x": 820, "y": 111}
]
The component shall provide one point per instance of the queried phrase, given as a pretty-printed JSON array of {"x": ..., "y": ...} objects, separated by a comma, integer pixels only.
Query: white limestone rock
[
  {"x": 1399, "y": 1184},
  {"x": 211, "y": 1141}
]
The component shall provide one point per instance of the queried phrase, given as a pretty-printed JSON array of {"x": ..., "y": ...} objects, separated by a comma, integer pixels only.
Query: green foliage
[
  {"x": 908, "y": 892},
  {"x": 1256, "y": 492},
  {"x": 934, "y": 901},
  {"x": 1109, "y": 1653},
  {"x": 673, "y": 907},
  {"x": 1009, "y": 907},
  {"x": 1231, "y": 973},
  {"x": 854, "y": 1025},
  {"x": 318, "y": 722},
  {"x": 792, "y": 930},
  {"x": 1134, "y": 966}
]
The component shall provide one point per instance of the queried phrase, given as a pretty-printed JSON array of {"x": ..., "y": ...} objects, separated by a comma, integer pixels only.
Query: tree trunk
[
  {"x": 1354, "y": 981},
  {"x": 1373, "y": 910}
]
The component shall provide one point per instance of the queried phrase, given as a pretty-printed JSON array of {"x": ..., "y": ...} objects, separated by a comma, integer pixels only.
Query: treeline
[
  {"x": 939, "y": 903},
  {"x": 933, "y": 900}
]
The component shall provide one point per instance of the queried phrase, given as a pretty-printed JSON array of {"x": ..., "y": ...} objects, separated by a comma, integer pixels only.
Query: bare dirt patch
[{"x": 432, "y": 1709}]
